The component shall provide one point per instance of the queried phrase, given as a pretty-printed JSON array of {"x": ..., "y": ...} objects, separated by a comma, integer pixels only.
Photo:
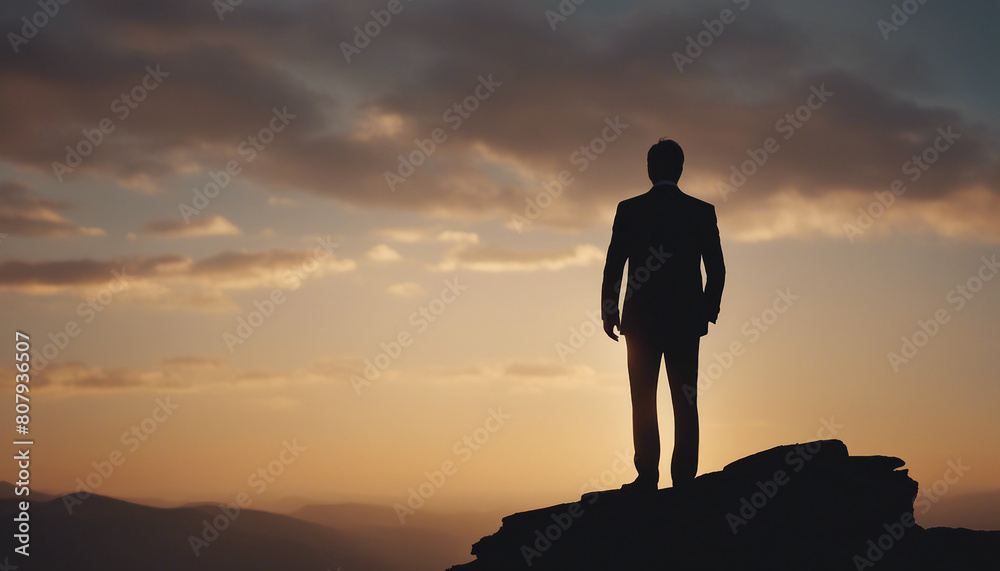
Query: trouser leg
[
  {"x": 681, "y": 358},
  {"x": 643, "y": 369}
]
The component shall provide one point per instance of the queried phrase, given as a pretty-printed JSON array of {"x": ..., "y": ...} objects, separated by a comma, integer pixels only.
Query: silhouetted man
[{"x": 665, "y": 235}]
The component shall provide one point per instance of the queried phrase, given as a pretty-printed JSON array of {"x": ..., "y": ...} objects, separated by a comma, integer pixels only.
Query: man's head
[{"x": 665, "y": 161}]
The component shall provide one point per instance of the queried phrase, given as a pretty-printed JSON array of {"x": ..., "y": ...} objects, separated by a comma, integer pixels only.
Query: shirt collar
[{"x": 665, "y": 182}]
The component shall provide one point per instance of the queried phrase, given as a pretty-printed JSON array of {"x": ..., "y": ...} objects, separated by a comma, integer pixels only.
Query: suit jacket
[{"x": 664, "y": 234}]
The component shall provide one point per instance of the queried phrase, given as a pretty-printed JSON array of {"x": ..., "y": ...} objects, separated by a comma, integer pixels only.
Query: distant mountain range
[
  {"x": 974, "y": 511},
  {"x": 107, "y": 534}
]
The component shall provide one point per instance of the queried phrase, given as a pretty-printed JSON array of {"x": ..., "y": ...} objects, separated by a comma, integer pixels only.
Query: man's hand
[
  {"x": 712, "y": 315},
  {"x": 609, "y": 326}
]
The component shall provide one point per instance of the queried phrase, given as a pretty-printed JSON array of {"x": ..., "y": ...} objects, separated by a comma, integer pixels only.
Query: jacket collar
[{"x": 666, "y": 185}]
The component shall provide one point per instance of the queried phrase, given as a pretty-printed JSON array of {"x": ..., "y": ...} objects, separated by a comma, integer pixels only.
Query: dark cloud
[
  {"x": 87, "y": 271},
  {"x": 557, "y": 89},
  {"x": 26, "y": 213},
  {"x": 68, "y": 273},
  {"x": 172, "y": 281}
]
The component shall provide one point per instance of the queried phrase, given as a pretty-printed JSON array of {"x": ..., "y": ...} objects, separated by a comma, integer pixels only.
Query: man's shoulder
[
  {"x": 645, "y": 199},
  {"x": 634, "y": 201},
  {"x": 697, "y": 202}
]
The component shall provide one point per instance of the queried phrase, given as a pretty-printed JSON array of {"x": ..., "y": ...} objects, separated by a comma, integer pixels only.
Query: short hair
[{"x": 665, "y": 160}]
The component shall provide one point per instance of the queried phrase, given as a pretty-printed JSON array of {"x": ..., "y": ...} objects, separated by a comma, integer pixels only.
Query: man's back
[{"x": 665, "y": 234}]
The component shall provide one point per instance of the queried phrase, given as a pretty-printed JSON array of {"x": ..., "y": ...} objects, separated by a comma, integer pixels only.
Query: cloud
[
  {"x": 535, "y": 377},
  {"x": 195, "y": 361},
  {"x": 790, "y": 215},
  {"x": 383, "y": 253},
  {"x": 546, "y": 117},
  {"x": 968, "y": 215},
  {"x": 404, "y": 235},
  {"x": 172, "y": 281},
  {"x": 427, "y": 234},
  {"x": 26, "y": 213},
  {"x": 455, "y": 236},
  {"x": 186, "y": 373},
  {"x": 174, "y": 375},
  {"x": 199, "y": 226},
  {"x": 539, "y": 369},
  {"x": 374, "y": 124},
  {"x": 496, "y": 259},
  {"x": 543, "y": 376},
  {"x": 213, "y": 373},
  {"x": 281, "y": 201},
  {"x": 406, "y": 289}
]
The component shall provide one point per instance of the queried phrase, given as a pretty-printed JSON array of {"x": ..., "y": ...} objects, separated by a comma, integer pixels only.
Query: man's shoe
[{"x": 640, "y": 486}]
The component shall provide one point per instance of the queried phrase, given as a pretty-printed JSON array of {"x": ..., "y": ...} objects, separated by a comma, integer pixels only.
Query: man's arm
[
  {"x": 613, "y": 268},
  {"x": 715, "y": 268}
]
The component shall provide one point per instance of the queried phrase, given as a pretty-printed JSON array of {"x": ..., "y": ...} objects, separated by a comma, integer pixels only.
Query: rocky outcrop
[{"x": 805, "y": 506}]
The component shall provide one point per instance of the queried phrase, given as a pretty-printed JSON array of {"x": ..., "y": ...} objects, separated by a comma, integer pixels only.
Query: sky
[{"x": 339, "y": 251}]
